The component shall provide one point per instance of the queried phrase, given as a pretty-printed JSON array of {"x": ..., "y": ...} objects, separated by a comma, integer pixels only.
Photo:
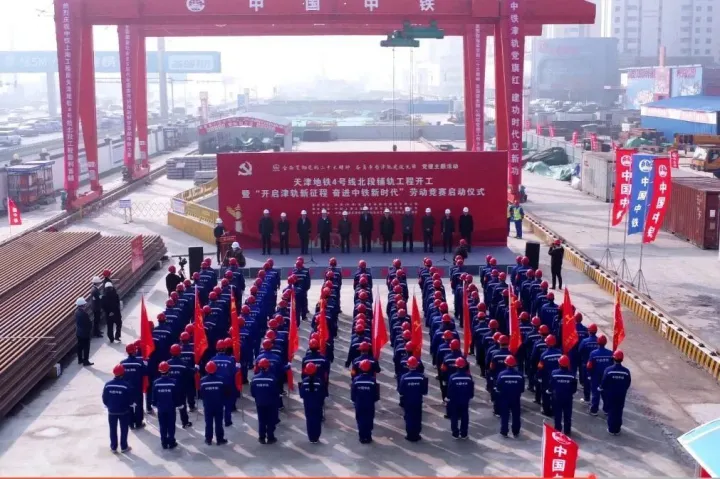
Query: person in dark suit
[
  {"x": 304, "y": 229},
  {"x": 266, "y": 227},
  {"x": 428, "y": 226},
  {"x": 466, "y": 226},
  {"x": 447, "y": 228},
  {"x": 218, "y": 232},
  {"x": 366, "y": 227},
  {"x": 345, "y": 230},
  {"x": 83, "y": 328},
  {"x": 408, "y": 225},
  {"x": 284, "y": 232},
  {"x": 324, "y": 230},
  {"x": 387, "y": 230}
]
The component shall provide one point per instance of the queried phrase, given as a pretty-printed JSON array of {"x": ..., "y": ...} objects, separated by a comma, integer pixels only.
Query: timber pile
[{"x": 37, "y": 317}]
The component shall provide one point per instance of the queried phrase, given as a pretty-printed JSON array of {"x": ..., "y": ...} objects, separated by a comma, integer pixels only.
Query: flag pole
[
  {"x": 639, "y": 280},
  {"x": 607, "y": 259},
  {"x": 623, "y": 270}
]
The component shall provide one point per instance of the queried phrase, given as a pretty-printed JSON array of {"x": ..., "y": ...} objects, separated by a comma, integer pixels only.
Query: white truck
[{"x": 9, "y": 138}]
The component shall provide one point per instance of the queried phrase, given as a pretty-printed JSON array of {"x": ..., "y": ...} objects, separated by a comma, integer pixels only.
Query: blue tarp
[
  {"x": 703, "y": 444},
  {"x": 694, "y": 102}
]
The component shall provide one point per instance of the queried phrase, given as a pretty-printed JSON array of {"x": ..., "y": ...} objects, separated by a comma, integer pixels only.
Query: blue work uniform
[
  {"x": 563, "y": 386},
  {"x": 460, "y": 390},
  {"x": 598, "y": 361},
  {"x": 264, "y": 389},
  {"x": 185, "y": 380},
  {"x": 212, "y": 392},
  {"x": 550, "y": 362},
  {"x": 313, "y": 393},
  {"x": 226, "y": 369},
  {"x": 587, "y": 346},
  {"x": 509, "y": 386},
  {"x": 135, "y": 372},
  {"x": 412, "y": 386},
  {"x": 364, "y": 393},
  {"x": 614, "y": 387},
  {"x": 166, "y": 397},
  {"x": 117, "y": 397}
]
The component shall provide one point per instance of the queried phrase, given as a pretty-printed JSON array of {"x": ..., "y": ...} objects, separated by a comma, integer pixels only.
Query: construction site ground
[{"x": 64, "y": 423}]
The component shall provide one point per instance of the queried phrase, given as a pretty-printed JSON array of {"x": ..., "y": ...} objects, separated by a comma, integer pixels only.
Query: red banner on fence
[
  {"x": 662, "y": 181},
  {"x": 674, "y": 158},
  {"x": 136, "y": 251},
  {"x": 559, "y": 454},
  {"x": 594, "y": 144},
  {"x": 623, "y": 184},
  {"x": 128, "y": 39},
  {"x": 575, "y": 138},
  {"x": 248, "y": 183},
  {"x": 238, "y": 121},
  {"x": 551, "y": 129}
]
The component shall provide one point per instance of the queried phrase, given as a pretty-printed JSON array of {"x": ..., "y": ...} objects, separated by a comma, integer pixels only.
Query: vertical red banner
[
  {"x": 674, "y": 159},
  {"x": 87, "y": 109},
  {"x": 136, "y": 252},
  {"x": 660, "y": 199},
  {"x": 141, "y": 107},
  {"x": 594, "y": 146},
  {"x": 514, "y": 50},
  {"x": 538, "y": 129},
  {"x": 575, "y": 138},
  {"x": 559, "y": 454},
  {"x": 478, "y": 53},
  {"x": 468, "y": 68},
  {"x": 551, "y": 129},
  {"x": 623, "y": 184},
  {"x": 68, "y": 36},
  {"x": 128, "y": 65}
]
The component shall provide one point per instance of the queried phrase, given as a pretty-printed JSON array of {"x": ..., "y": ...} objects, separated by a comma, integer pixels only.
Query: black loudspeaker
[
  {"x": 532, "y": 251},
  {"x": 195, "y": 258}
]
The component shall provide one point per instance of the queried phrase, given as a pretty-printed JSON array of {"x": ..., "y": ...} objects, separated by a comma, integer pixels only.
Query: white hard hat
[
  {"x": 303, "y": 212},
  {"x": 266, "y": 212},
  {"x": 218, "y": 221},
  {"x": 365, "y": 208},
  {"x": 324, "y": 211},
  {"x": 447, "y": 212},
  {"x": 235, "y": 245},
  {"x": 407, "y": 209},
  {"x": 466, "y": 210},
  {"x": 283, "y": 215},
  {"x": 387, "y": 210},
  {"x": 96, "y": 280},
  {"x": 345, "y": 213},
  {"x": 80, "y": 302},
  {"x": 110, "y": 285},
  {"x": 428, "y": 210}
]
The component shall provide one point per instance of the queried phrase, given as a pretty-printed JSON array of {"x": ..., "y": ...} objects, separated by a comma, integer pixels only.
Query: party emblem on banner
[
  {"x": 195, "y": 6},
  {"x": 245, "y": 169},
  {"x": 626, "y": 161}
]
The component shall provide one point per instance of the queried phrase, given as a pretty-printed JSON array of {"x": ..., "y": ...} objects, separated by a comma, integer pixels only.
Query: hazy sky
[{"x": 253, "y": 62}]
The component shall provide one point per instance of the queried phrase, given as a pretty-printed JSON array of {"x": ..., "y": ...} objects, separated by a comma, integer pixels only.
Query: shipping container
[
  {"x": 694, "y": 209},
  {"x": 598, "y": 174}
]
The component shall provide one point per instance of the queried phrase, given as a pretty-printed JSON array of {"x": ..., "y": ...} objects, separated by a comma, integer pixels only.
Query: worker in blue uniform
[
  {"x": 364, "y": 393},
  {"x": 188, "y": 357},
  {"x": 135, "y": 372},
  {"x": 562, "y": 387},
  {"x": 212, "y": 392},
  {"x": 598, "y": 361},
  {"x": 166, "y": 397},
  {"x": 264, "y": 390},
  {"x": 509, "y": 386},
  {"x": 549, "y": 311},
  {"x": 118, "y": 397},
  {"x": 614, "y": 387},
  {"x": 184, "y": 379},
  {"x": 587, "y": 346},
  {"x": 313, "y": 393},
  {"x": 496, "y": 365},
  {"x": 226, "y": 369},
  {"x": 162, "y": 339},
  {"x": 413, "y": 385},
  {"x": 549, "y": 362},
  {"x": 460, "y": 390}
]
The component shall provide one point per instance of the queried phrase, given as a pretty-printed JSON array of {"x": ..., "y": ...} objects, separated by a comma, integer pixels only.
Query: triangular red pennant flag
[
  {"x": 14, "y": 218},
  {"x": 293, "y": 340},
  {"x": 380, "y": 334},
  {"x": 417, "y": 334},
  {"x": 467, "y": 327},
  {"x": 147, "y": 345},
  {"x": 515, "y": 335},
  {"x": 569, "y": 333},
  {"x": 618, "y": 322}
]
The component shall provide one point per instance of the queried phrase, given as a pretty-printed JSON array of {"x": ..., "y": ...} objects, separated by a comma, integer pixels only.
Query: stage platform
[{"x": 376, "y": 261}]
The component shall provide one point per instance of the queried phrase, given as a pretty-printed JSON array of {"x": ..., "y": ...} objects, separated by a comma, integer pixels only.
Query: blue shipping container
[{"x": 670, "y": 127}]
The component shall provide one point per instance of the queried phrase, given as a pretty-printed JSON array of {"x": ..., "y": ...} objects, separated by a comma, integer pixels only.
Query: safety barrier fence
[{"x": 191, "y": 217}]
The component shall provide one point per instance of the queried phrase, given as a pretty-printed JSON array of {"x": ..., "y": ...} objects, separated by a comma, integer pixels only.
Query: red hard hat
[
  {"x": 510, "y": 361},
  {"x": 328, "y": 284},
  {"x": 437, "y": 303},
  {"x": 360, "y": 328},
  {"x": 360, "y": 316},
  {"x": 270, "y": 334},
  {"x": 412, "y": 362},
  {"x": 544, "y": 330},
  {"x": 564, "y": 361},
  {"x": 518, "y": 259},
  {"x": 482, "y": 307},
  {"x": 211, "y": 367},
  {"x": 300, "y": 260},
  {"x": 365, "y": 366},
  {"x": 314, "y": 344},
  {"x": 406, "y": 335},
  {"x": 267, "y": 344},
  {"x": 264, "y": 363},
  {"x": 224, "y": 283},
  {"x": 171, "y": 269},
  {"x": 493, "y": 262},
  {"x": 530, "y": 273},
  {"x": 298, "y": 264},
  {"x": 175, "y": 350},
  {"x": 266, "y": 266},
  {"x": 325, "y": 292},
  {"x": 185, "y": 336},
  {"x": 481, "y": 316},
  {"x": 170, "y": 303},
  {"x": 488, "y": 257},
  {"x": 544, "y": 285},
  {"x": 207, "y": 309},
  {"x": 538, "y": 274},
  {"x": 233, "y": 262},
  {"x": 405, "y": 326},
  {"x": 217, "y": 290},
  {"x": 245, "y": 309},
  {"x": 460, "y": 363},
  {"x": 118, "y": 370},
  {"x": 189, "y": 328},
  {"x": 270, "y": 262},
  {"x": 400, "y": 273},
  {"x": 592, "y": 328},
  {"x": 161, "y": 317},
  {"x": 310, "y": 369},
  {"x": 283, "y": 303},
  {"x": 212, "y": 296},
  {"x": 428, "y": 262},
  {"x": 401, "y": 305},
  {"x": 363, "y": 280},
  {"x": 409, "y": 346},
  {"x": 362, "y": 264},
  {"x": 455, "y": 344},
  {"x": 525, "y": 261},
  {"x": 447, "y": 335},
  {"x": 229, "y": 274},
  {"x": 196, "y": 276},
  {"x": 397, "y": 263},
  {"x": 437, "y": 284},
  {"x": 602, "y": 340},
  {"x": 131, "y": 348},
  {"x": 618, "y": 356},
  {"x": 493, "y": 324},
  {"x": 524, "y": 316},
  {"x": 578, "y": 317},
  {"x": 364, "y": 346},
  {"x": 397, "y": 289},
  {"x": 329, "y": 275},
  {"x": 220, "y": 344},
  {"x": 395, "y": 282},
  {"x": 505, "y": 292},
  {"x": 187, "y": 283},
  {"x": 551, "y": 296},
  {"x": 273, "y": 324},
  {"x": 536, "y": 321},
  {"x": 550, "y": 340},
  {"x": 164, "y": 367},
  {"x": 362, "y": 308},
  {"x": 402, "y": 313},
  {"x": 494, "y": 273},
  {"x": 205, "y": 265},
  {"x": 504, "y": 340},
  {"x": 463, "y": 242},
  {"x": 446, "y": 318},
  {"x": 502, "y": 276},
  {"x": 332, "y": 262},
  {"x": 253, "y": 290}
]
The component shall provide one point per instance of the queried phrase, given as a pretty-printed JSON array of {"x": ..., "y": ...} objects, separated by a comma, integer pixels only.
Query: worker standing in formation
[{"x": 262, "y": 349}]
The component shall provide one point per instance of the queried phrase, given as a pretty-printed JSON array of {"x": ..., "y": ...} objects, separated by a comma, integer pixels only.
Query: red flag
[
  {"x": 661, "y": 185},
  {"x": 515, "y": 335},
  {"x": 322, "y": 327},
  {"x": 293, "y": 340},
  {"x": 618, "y": 323},
  {"x": 569, "y": 333},
  {"x": 237, "y": 344},
  {"x": 379, "y": 330},
  {"x": 559, "y": 454},
  {"x": 14, "y": 218},
  {"x": 467, "y": 327},
  {"x": 200, "y": 336},
  {"x": 147, "y": 345},
  {"x": 416, "y": 321},
  {"x": 623, "y": 184}
]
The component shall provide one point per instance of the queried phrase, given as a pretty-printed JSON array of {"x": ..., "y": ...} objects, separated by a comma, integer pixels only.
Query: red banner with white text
[
  {"x": 68, "y": 32},
  {"x": 514, "y": 43},
  {"x": 128, "y": 40},
  {"x": 674, "y": 158},
  {"x": 136, "y": 253},
  {"x": 242, "y": 121},
  {"x": 559, "y": 454},
  {"x": 660, "y": 199},
  {"x": 248, "y": 183},
  {"x": 623, "y": 184}
]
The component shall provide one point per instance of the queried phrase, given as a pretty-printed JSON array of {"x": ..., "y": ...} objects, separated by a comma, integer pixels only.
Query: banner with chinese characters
[
  {"x": 594, "y": 145},
  {"x": 641, "y": 192},
  {"x": 128, "y": 40},
  {"x": 674, "y": 158},
  {"x": 239, "y": 121},
  {"x": 478, "y": 54},
  {"x": 623, "y": 184},
  {"x": 136, "y": 252},
  {"x": 248, "y": 183},
  {"x": 661, "y": 186},
  {"x": 514, "y": 43},
  {"x": 68, "y": 34},
  {"x": 559, "y": 454}
]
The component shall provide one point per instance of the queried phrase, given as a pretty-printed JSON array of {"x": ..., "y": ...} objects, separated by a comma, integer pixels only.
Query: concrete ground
[{"x": 681, "y": 278}]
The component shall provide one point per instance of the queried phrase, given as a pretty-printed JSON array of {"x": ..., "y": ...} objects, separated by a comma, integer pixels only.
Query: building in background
[
  {"x": 649, "y": 84},
  {"x": 601, "y": 27}
]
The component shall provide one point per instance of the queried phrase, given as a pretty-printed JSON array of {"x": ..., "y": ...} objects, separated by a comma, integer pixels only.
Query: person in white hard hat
[
  {"x": 304, "y": 228},
  {"x": 218, "y": 232},
  {"x": 284, "y": 232},
  {"x": 447, "y": 229},
  {"x": 408, "y": 224},
  {"x": 466, "y": 227},
  {"x": 266, "y": 229},
  {"x": 345, "y": 230},
  {"x": 387, "y": 230},
  {"x": 428, "y": 226},
  {"x": 96, "y": 304},
  {"x": 113, "y": 315},
  {"x": 324, "y": 230},
  {"x": 83, "y": 329},
  {"x": 235, "y": 252},
  {"x": 366, "y": 228}
]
